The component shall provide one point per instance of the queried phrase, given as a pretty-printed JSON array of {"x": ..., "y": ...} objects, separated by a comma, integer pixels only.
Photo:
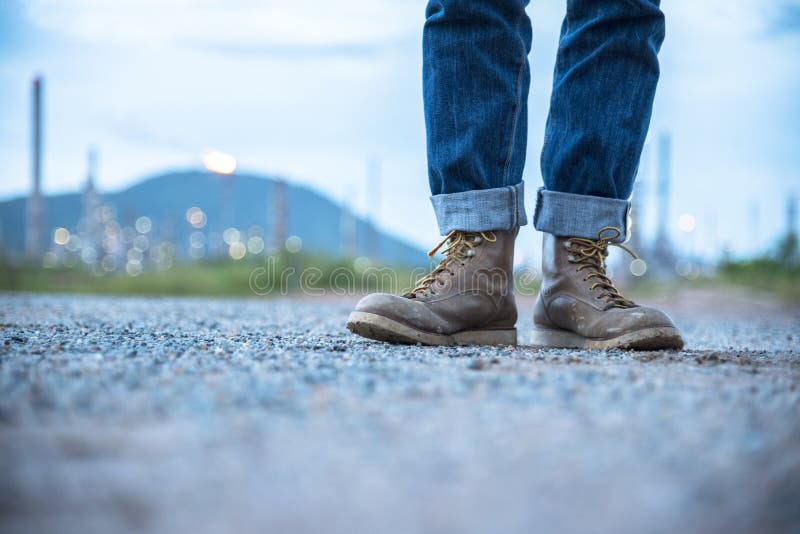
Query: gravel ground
[{"x": 199, "y": 415}]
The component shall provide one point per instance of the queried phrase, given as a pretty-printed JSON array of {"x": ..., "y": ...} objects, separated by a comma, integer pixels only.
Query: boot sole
[
  {"x": 379, "y": 328},
  {"x": 652, "y": 338}
]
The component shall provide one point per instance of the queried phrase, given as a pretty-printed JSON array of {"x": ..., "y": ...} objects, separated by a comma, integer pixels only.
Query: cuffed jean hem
[
  {"x": 480, "y": 210},
  {"x": 571, "y": 215}
]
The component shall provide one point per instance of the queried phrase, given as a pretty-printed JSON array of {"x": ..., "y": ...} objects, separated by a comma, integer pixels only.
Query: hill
[{"x": 241, "y": 201}]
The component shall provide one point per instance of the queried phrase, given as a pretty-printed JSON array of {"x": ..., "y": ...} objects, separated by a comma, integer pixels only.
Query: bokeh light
[
  {"x": 219, "y": 162},
  {"x": 293, "y": 244},
  {"x": 638, "y": 267},
  {"x": 362, "y": 263},
  {"x": 231, "y": 236},
  {"x": 133, "y": 268},
  {"x": 60, "y": 236},
  {"x": 196, "y": 217},
  {"x": 140, "y": 242},
  {"x": 143, "y": 224},
  {"x": 687, "y": 269},
  {"x": 686, "y": 222},
  {"x": 237, "y": 250},
  {"x": 107, "y": 213},
  {"x": 73, "y": 243},
  {"x": 255, "y": 245},
  {"x": 88, "y": 255},
  {"x": 197, "y": 239},
  {"x": 135, "y": 255}
]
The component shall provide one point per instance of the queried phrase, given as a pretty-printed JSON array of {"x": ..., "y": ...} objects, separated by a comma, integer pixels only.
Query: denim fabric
[
  {"x": 603, "y": 87},
  {"x": 553, "y": 209},
  {"x": 501, "y": 208},
  {"x": 475, "y": 87}
]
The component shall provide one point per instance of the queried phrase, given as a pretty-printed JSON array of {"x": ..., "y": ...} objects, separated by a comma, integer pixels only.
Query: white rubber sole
[
  {"x": 379, "y": 328},
  {"x": 653, "y": 338}
]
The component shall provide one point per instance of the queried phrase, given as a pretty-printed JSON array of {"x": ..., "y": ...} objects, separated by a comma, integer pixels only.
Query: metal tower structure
[
  {"x": 35, "y": 210},
  {"x": 663, "y": 254},
  {"x": 90, "y": 226},
  {"x": 280, "y": 214}
]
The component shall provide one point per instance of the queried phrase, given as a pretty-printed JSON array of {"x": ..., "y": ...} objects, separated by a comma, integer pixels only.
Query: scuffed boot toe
[{"x": 654, "y": 331}]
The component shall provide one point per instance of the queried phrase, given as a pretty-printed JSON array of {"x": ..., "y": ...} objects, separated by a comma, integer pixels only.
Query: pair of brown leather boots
[{"x": 468, "y": 299}]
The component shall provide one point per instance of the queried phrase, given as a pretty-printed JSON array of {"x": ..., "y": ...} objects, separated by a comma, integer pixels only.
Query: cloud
[
  {"x": 274, "y": 25},
  {"x": 289, "y": 51}
]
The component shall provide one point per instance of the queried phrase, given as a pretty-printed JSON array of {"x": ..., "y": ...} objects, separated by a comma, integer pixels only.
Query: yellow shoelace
[
  {"x": 591, "y": 254},
  {"x": 460, "y": 246}
]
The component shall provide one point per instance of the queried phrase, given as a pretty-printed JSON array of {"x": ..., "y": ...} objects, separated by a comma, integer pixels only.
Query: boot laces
[
  {"x": 590, "y": 255},
  {"x": 460, "y": 246}
]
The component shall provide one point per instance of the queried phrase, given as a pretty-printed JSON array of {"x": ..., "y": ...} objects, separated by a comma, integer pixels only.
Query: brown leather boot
[
  {"x": 466, "y": 300},
  {"x": 579, "y": 307}
]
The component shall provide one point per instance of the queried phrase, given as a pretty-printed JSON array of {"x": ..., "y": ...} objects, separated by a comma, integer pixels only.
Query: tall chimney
[
  {"x": 33, "y": 233},
  {"x": 280, "y": 215}
]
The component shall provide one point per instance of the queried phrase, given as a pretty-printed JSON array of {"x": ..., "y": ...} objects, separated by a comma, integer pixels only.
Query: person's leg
[
  {"x": 603, "y": 88},
  {"x": 475, "y": 85},
  {"x": 475, "y": 89}
]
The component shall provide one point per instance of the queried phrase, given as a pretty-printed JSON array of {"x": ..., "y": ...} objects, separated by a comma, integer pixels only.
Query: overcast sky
[{"x": 310, "y": 90}]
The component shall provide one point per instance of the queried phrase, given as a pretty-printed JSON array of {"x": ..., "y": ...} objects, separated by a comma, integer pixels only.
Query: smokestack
[
  {"x": 280, "y": 215},
  {"x": 91, "y": 169},
  {"x": 33, "y": 233},
  {"x": 663, "y": 254}
]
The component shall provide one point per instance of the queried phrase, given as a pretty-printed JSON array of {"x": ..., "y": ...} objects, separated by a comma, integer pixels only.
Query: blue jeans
[{"x": 475, "y": 87}]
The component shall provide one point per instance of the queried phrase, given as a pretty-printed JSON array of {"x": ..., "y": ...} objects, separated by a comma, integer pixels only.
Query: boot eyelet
[{"x": 567, "y": 244}]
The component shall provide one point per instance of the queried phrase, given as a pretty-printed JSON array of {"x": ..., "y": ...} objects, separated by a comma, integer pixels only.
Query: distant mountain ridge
[{"x": 237, "y": 200}]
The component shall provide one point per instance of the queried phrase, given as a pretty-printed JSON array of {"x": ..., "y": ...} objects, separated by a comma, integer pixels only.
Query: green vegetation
[
  {"x": 268, "y": 277},
  {"x": 765, "y": 274},
  {"x": 777, "y": 272}
]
